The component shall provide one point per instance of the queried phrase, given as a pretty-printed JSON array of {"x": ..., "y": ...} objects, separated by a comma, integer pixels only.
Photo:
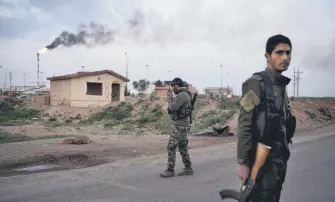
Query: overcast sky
[{"x": 190, "y": 38}]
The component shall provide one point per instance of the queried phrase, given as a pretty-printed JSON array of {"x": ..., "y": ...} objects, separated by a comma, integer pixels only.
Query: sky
[{"x": 189, "y": 39}]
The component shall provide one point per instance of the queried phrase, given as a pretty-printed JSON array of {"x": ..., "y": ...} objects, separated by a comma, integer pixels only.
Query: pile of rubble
[{"x": 217, "y": 131}]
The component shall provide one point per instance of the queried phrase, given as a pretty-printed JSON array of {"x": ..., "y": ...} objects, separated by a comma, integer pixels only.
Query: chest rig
[
  {"x": 272, "y": 121},
  {"x": 182, "y": 112}
]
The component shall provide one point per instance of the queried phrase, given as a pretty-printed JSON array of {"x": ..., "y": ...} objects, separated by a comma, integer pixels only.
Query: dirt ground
[{"x": 111, "y": 145}]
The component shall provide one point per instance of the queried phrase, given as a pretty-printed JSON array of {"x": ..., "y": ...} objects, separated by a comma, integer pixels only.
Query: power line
[{"x": 298, "y": 80}]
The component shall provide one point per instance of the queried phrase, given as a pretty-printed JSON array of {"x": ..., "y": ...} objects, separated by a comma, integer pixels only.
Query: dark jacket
[
  {"x": 180, "y": 104},
  {"x": 252, "y": 98}
]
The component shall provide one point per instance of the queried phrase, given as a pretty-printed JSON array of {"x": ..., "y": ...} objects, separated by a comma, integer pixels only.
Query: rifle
[
  {"x": 192, "y": 106},
  {"x": 249, "y": 187}
]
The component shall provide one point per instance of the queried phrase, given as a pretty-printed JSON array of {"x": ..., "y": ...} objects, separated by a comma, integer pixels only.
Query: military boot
[
  {"x": 167, "y": 173},
  {"x": 186, "y": 171}
]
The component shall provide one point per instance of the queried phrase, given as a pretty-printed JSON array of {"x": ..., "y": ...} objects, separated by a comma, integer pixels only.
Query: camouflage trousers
[{"x": 178, "y": 139}]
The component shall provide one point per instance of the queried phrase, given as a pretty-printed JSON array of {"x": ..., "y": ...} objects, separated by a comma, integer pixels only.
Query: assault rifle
[
  {"x": 192, "y": 105},
  {"x": 247, "y": 189}
]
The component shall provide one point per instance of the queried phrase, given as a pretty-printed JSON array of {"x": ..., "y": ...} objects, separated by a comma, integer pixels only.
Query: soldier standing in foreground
[
  {"x": 271, "y": 129},
  {"x": 179, "y": 110}
]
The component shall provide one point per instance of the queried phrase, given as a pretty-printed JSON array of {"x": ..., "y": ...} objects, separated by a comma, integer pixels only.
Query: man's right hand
[
  {"x": 243, "y": 172},
  {"x": 169, "y": 94}
]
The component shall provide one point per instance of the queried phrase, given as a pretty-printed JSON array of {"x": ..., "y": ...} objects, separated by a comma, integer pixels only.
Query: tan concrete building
[
  {"x": 87, "y": 89},
  {"x": 216, "y": 92}
]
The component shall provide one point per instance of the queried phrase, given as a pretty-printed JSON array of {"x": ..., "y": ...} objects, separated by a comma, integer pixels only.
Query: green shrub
[{"x": 9, "y": 114}]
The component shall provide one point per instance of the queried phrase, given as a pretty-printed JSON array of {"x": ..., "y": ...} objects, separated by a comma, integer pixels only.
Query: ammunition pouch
[
  {"x": 272, "y": 175},
  {"x": 180, "y": 114},
  {"x": 268, "y": 120}
]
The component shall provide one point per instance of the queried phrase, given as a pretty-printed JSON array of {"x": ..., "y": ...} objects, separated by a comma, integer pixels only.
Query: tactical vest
[
  {"x": 270, "y": 121},
  {"x": 182, "y": 112}
]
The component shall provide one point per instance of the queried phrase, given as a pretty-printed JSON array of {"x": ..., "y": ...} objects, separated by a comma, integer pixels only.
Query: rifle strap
[{"x": 268, "y": 85}]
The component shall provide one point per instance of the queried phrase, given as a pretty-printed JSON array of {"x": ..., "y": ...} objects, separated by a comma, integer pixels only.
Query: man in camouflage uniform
[
  {"x": 272, "y": 175},
  {"x": 179, "y": 109}
]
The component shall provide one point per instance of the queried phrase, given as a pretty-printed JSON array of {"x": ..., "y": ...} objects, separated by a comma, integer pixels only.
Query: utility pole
[
  {"x": 221, "y": 82},
  {"x": 5, "y": 80},
  {"x": 298, "y": 80},
  {"x": 38, "y": 68},
  {"x": 146, "y": 75},
  {"x": 294, "y": 82},
  {"x": 126, "y": 71},
  {"x": 24, "y": 81},
  {"x": 10, "y": 83},
  {"x": 227, "y": 90},
  {"x": 127, "y": 61},
  {"x": 83, "y": 67},
  {"x": 41, "y": 77}
]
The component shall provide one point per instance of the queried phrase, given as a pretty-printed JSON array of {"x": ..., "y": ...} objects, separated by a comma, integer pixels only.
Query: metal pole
[
  {"x": 38, "y": 69},
  {"x": 221, "y": 81},
  {"x": 41, "y": 77},
  {"x": 126, "y": 64},
  {"x": 10, "y": 83},
  {"x": 24, "y": 81},
  {"x": 298, "y": 82},
  {"x": 126, "y": 71},
  {"x": 5, "y": 80},
  {"x": 146, "y": 74},
  {"x": 294, "y": 83}
]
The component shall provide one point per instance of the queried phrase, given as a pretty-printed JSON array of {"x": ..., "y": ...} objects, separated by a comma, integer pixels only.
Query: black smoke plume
[
  {"x": 137, "y": 19},
  {"x": 92, "y": 35},
  {"x": 320, "y": 58}
]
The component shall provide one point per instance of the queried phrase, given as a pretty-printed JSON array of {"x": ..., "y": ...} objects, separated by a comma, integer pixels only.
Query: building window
[{"x": 94, "y": 88}]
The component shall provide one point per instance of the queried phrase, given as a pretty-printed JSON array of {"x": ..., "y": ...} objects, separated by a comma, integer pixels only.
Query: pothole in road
[
  {"x": 49, "y": 163},
  {"x": 37, "y": 168}
]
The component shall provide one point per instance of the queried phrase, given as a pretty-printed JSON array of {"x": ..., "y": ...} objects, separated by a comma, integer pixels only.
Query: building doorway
[{"x": 115, "y": 92}]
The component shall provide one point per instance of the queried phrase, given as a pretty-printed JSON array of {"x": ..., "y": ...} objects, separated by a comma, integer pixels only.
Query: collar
[{"x": 277, "y": 78}]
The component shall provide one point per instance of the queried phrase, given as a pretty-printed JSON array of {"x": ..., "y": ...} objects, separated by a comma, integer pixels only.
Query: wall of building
[
  {"x": 60, "y": 92},
  {"x": 79, "y": 98},
  {"x": 41, "y": 99},
  {"x": 161, "y": 92}
]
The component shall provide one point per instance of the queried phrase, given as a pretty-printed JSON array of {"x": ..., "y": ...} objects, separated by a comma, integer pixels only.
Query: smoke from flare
[{"x": 93, "y": 35}]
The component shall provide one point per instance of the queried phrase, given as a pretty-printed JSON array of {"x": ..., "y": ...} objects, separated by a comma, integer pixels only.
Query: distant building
[
  {"x": 87, "y": 89},
  {"x": 162, "y": 90},
  {"x": 216, "y": 92}
]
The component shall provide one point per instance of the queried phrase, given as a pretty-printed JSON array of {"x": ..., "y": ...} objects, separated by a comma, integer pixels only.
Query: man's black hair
[
  {"x": 178, "y": 81},
  {"x": 275, "y": 40}
]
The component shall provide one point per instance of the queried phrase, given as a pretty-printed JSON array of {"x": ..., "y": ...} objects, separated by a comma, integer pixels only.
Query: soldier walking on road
[
  {"x": 265, "y": 93},
  {"x": 179, "y": 110}
]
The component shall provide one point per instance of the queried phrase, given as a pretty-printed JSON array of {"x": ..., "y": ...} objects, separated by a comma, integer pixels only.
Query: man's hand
[
  {"x": 243, "y": 172},
  {"x": 169, "y": 94}
]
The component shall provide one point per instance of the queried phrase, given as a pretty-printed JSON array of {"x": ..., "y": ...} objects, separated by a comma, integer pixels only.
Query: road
[{"x": 310, "y": 177}]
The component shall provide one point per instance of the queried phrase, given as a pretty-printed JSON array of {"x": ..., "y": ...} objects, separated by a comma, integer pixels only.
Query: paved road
[{"x": 310, "y": 177}]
